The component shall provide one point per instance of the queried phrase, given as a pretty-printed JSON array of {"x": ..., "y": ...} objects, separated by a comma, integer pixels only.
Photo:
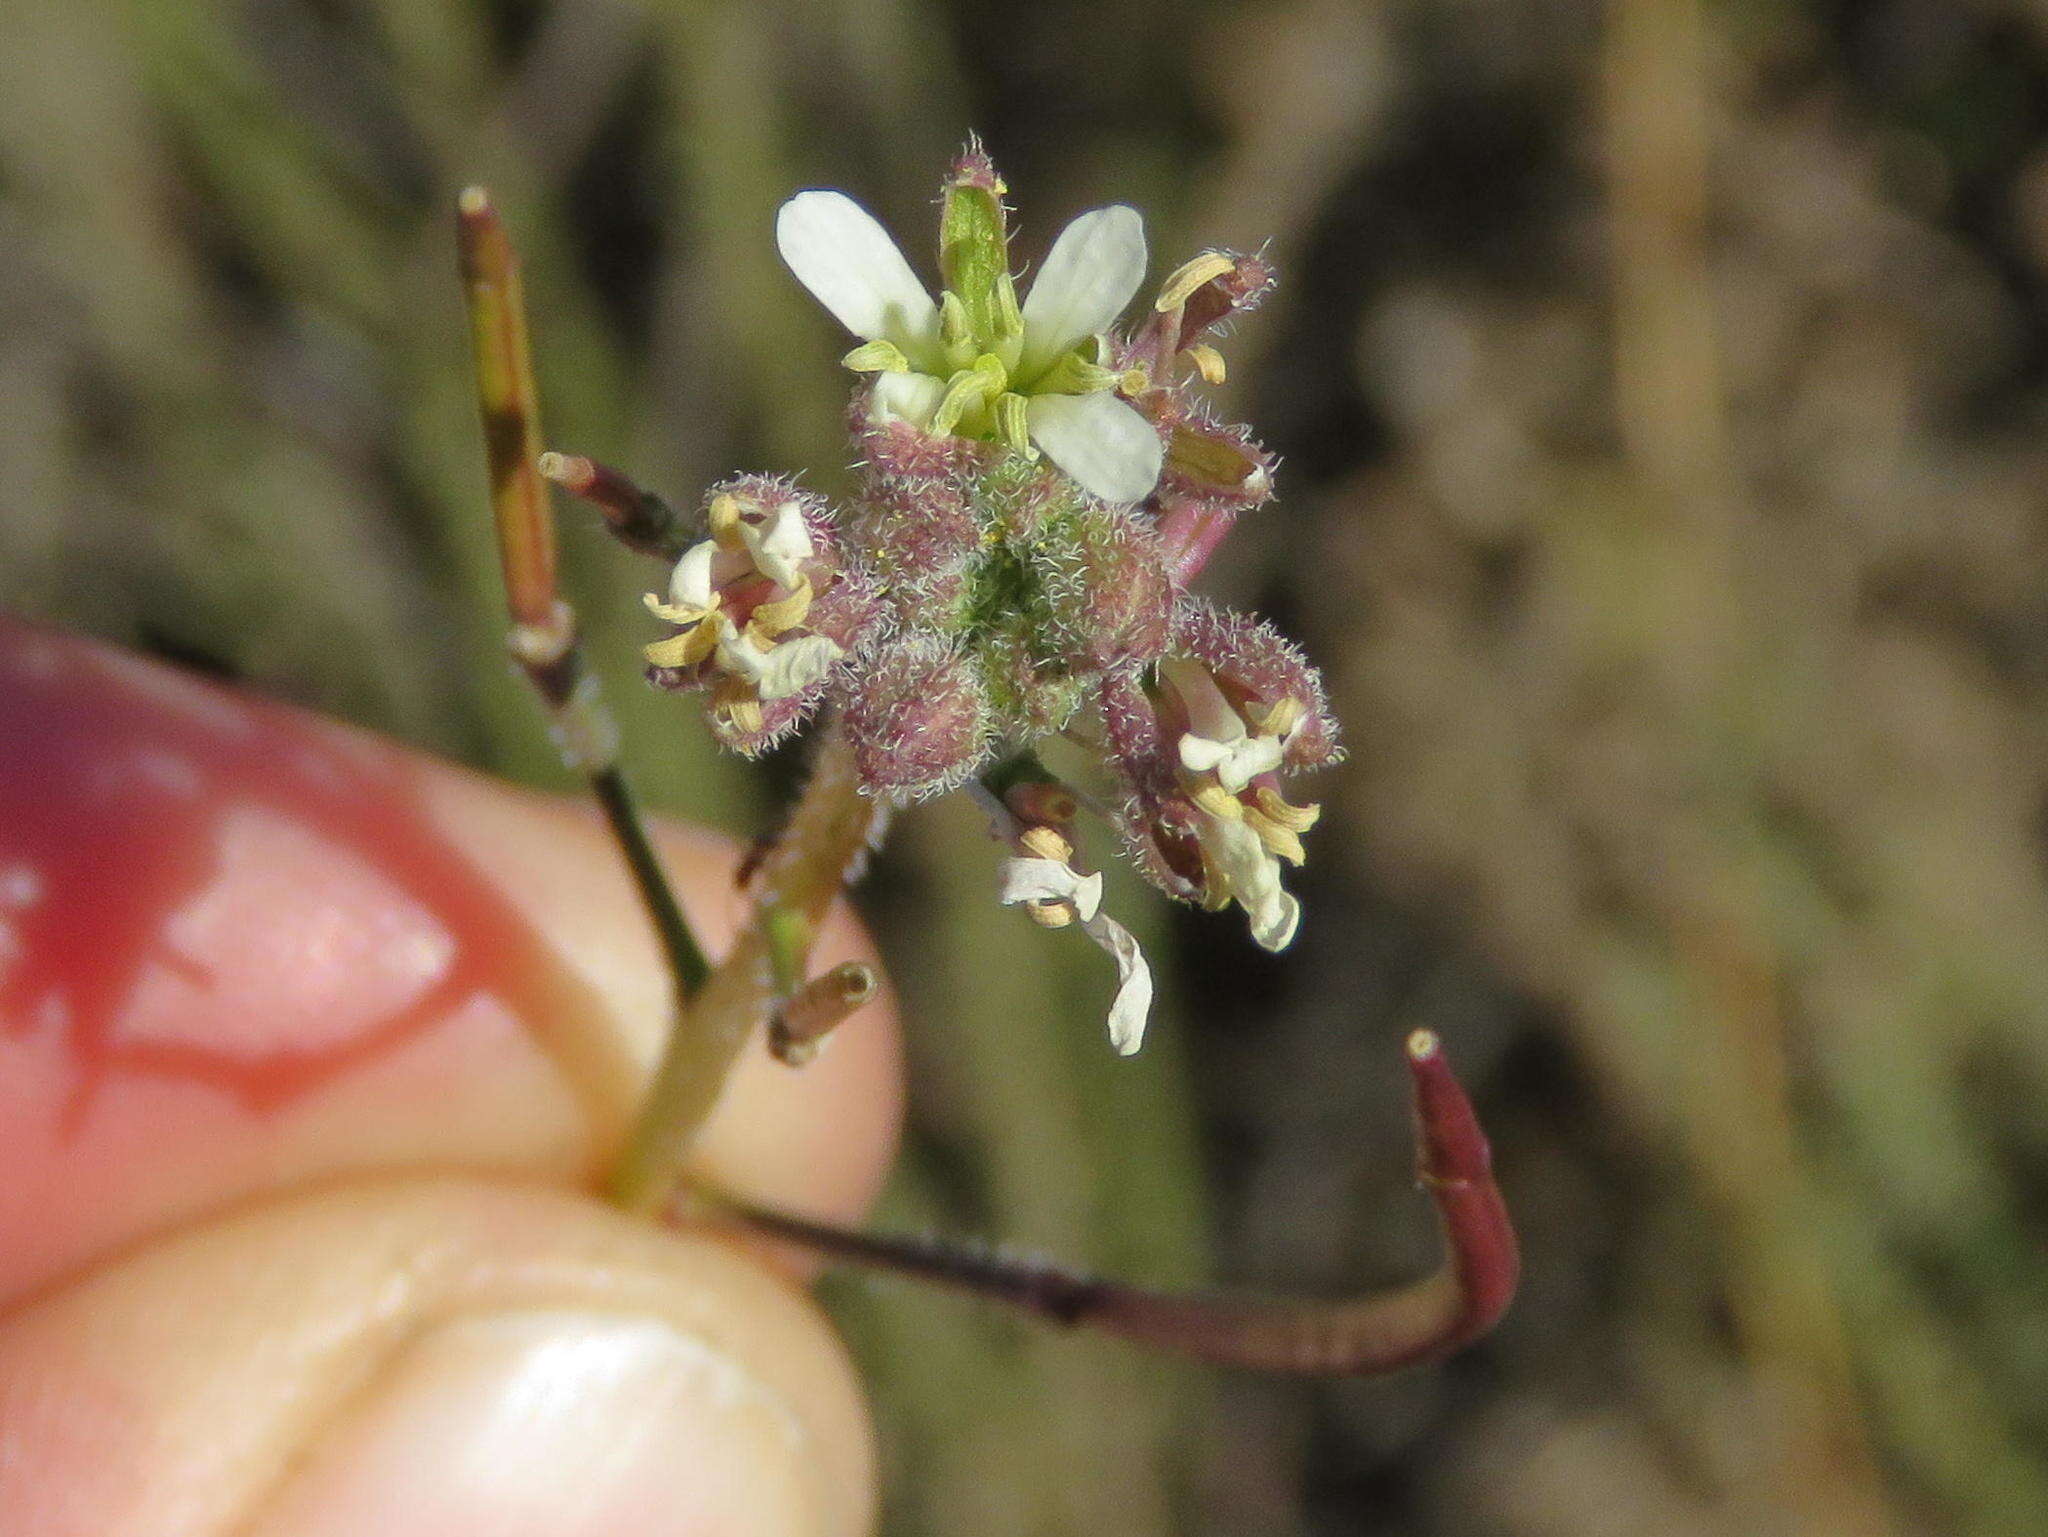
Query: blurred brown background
[{"x": 1661, "y": 390}]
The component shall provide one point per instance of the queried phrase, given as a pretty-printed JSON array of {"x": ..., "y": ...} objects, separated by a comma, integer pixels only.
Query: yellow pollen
[
  {"x": 1216, "y": 887},
  {"x": 690, "y": 647},
  {"x": 677, "y": 613},
  {"x": 1217, "y": 801},
  {"x": 742, "y": 709},
  {"x": 1181, "y": 284}
]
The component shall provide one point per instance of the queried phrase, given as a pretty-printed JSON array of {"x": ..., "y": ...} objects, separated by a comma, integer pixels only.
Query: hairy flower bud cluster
[{"x": 1037, "y": 488}]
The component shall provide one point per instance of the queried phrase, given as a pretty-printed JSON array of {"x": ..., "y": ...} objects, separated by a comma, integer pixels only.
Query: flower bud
[
  {"x": 917, "y": 718},
  {"x": 1108, "y": 589}
]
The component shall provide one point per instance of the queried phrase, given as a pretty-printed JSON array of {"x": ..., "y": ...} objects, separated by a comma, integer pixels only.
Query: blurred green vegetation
[{"x": 1662, "y": 390}]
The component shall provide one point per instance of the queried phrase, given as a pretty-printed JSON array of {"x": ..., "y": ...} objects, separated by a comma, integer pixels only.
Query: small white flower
[
  {"x": 1245, "y": 828},
  {"x": 846, "y": 259},
  {"x": 774, "y": 663},
  {"x": 1027, "y": 879}
]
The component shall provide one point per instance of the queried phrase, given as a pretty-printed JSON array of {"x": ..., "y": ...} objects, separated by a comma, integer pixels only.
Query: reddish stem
[
  {"x": 637, "y": 518},
  {"x": 1379, "y": 1333}
]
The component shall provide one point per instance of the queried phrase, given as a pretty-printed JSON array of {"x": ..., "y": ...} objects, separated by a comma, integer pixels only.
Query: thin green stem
[
  {"x": 685, "y": 957},
  {"x": 829, "y": 830},
  {"x": 545, "y": 643}
]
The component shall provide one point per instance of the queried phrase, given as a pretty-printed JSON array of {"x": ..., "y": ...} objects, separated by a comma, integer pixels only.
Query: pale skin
[{"x": 312, "y": 1054}]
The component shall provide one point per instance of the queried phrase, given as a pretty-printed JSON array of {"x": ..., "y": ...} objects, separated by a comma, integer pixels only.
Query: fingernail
[{"x": 557, "y": 1424}]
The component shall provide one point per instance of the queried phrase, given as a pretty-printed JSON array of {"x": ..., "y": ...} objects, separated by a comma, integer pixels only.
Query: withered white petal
[
  {"x": 780, "y": 671},
  {"x": 847, "y": 260},
  {"x": 1237, "y": 761},
  {"x": 1106, "y": 446},
  {"x": 1254, "y": 877},
  {"x": 1217, "y": 737},
  {"x": 1088, "y": 277},
  {"x": 689, "y": 585},
  {"x": 1026, "y": 879},
  {"x": 1132, "y": 1006}
]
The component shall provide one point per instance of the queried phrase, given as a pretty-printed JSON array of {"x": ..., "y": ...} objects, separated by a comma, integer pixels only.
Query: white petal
[
  {"x": 1133, "y": 1002},
  {"x": 1100, "y": 441},
  {"x": 782, "y": 670},
  {"x": 1049, "y": 880},
  {"x": 1254, "y": 877},
  {"x": 1088, "y": 277},
  {"x": 780, "y": 543},
  {"x": 1275, "y": 919},
  {"x": 689, "y": 586},
  {"x": 838, "y": 251},
  {"x": 1209, "y": 712},
  {"x": 908, "y": 398},
  {"x": 1236, "y": 762}
]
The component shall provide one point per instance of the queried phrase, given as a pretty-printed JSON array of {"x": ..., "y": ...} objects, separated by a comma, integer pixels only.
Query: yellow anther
[
  {"x": 1297, "y": 819},
  {"x": 877, "y": 357},
  {"x": 1279, "y": 840},
  {"x": 676, "y": 613},
  {"x": 1045, "y": 843},
  {"x": 1180, "y": 286},
  {"x": 724, "y": 514},
  {"x": 1050, "y": 915},
  {"x": 688, "y": 648},
  {"x": 1216, "y": 887},
  {"x": 1134, "y": 380},
  {"x": 1207, "y": 361},
  {"x": 741, "y": 707},
  {"x": 1217, "y": 801},
  {"x": 955, "y": 330},
  {"x": 1276, "y": 719},
  {"x": 771, "y": 619},
  {"x": 1009, "y": 317}
]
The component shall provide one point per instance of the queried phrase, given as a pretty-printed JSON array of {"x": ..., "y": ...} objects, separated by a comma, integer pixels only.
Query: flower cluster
[{"x": 1037, "y": 490}]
